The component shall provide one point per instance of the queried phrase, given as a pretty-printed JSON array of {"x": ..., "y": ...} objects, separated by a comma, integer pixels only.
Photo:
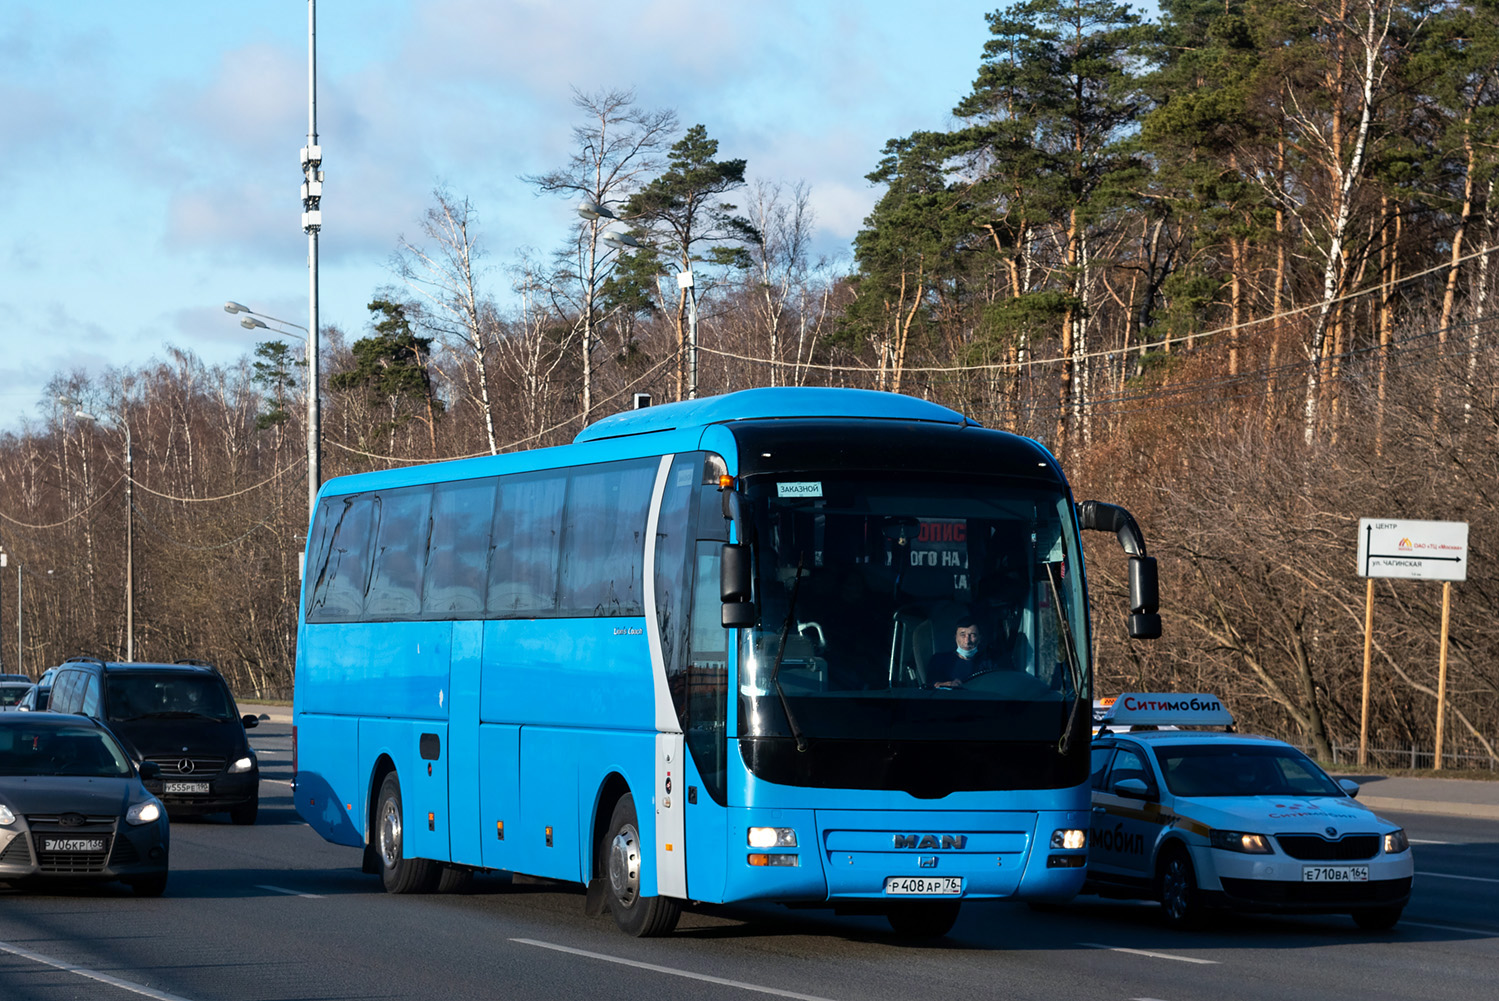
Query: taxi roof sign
[{"x": 1146, "y": 709}]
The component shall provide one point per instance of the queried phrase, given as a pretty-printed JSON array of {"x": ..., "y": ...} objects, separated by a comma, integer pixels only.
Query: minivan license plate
[
  {"x": 186, "y": 787},
  {"x": 72, "y": 844},
  {"x": 1334, "y": 874},
  {"x": 924, "y": 886}
]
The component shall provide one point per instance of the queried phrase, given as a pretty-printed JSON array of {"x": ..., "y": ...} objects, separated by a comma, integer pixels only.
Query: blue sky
[{"x": 150, "y": 167}]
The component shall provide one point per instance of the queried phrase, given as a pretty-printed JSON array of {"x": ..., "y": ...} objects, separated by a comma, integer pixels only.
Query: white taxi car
[{"x": 1199, "y": 819}]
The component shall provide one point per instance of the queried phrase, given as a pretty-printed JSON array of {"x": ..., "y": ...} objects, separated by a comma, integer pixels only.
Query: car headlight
[
  {"x": 1394, "y": 843},
  {"x": 143, "y": 813},
  {"x": 1239, "y": 841},
  {"x": 242, "y": 765},
  {"x": 6, "y": 816},
  {"x": 772, "y": 837}
]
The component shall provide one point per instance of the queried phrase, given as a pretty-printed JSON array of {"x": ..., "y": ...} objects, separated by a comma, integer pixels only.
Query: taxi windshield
[{"x": 1198, "y": 770}]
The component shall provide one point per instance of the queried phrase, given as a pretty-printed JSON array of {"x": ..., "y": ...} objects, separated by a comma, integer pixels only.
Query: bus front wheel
[
  {"x": 399, "y": 874},
  {"x": 621, "y": 857}
]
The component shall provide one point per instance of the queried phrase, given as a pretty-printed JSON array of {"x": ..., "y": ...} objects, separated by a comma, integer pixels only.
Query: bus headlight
[
  {"x": 772, "y": 837},
  {"x": 1069, "y": 838},
  {"x": 1396, "y": 842}
]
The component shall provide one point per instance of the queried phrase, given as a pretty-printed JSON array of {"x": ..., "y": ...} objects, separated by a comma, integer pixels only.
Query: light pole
[
  {"x": 252, "y": 321},
  {"x": 123, "y": 424}
]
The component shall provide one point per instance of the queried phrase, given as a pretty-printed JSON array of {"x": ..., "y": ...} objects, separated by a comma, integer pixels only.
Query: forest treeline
[{"x": 1232, "y": 265}]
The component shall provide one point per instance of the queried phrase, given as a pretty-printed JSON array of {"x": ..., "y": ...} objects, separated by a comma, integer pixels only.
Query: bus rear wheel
[
  {"x": 621, "y": 857},
  {"x": 923, "y": 919},
  {"x": 399, "y": 874}
]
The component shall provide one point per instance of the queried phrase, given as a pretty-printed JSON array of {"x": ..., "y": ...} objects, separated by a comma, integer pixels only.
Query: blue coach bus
[{"x": 691, "y": 657}]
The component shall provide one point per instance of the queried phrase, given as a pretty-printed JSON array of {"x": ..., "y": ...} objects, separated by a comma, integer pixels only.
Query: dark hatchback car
[
  {"x": 181, "y": 716},
  {"x": 73, "y": 806}
]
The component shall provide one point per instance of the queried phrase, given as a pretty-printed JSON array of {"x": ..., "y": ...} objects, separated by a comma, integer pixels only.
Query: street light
[
  {"x": 252, "y": 321},
  {"x": 123, "y": 424}
]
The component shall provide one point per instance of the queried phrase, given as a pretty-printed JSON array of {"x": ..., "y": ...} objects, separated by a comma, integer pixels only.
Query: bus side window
[
  {"x": 400, "y": 553},
  {"x": 458, "y": 555},
  {"x": 674, "y": 551},
  {"x": 339, "y": 593},
  {"x": 527, "y": 540},
  {"x": 603, "y": 538}
]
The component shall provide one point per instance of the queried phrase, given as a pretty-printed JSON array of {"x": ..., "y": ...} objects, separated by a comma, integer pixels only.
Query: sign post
[{"x": 1415, "y": 550}]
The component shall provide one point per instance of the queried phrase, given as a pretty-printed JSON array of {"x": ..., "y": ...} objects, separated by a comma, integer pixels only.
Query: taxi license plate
[
  {"x": 924, "y": 886},
  {"x": 186, "y": 787},
  {"x": 1334, "y": 874},
  {"x": 72, "y": 844}
]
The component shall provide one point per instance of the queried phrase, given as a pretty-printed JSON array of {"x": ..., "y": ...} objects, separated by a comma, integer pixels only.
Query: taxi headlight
[
  {"x": 1239, "y": 841},
  {"x": 1394, "y": 843},
  {"x": 143, "y": 813},
  {"x": 772, "y": 837},
  {"x": 242, "y": 765},
  {"x": 6, "y": 816}
]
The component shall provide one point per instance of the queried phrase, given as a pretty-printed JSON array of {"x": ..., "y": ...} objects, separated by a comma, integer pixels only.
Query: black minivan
[{"x": 183, "y": 717}]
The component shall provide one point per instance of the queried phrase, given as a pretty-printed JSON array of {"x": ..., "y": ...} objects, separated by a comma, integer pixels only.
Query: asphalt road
[{"x": 273, "y": 912}]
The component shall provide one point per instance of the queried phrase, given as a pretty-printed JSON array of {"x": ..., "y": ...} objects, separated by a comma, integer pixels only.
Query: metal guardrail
[{"x": 1413, "y": 757}]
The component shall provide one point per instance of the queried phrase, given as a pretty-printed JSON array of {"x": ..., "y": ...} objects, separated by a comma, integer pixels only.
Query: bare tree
[
  {"x": 616, "y": 149},
  {"x": 445, "y": 278}
]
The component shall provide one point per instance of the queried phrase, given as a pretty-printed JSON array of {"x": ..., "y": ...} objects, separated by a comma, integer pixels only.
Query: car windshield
[
  {"x": 869, "y": 590},
  {"x": 136, "y": 696},
  {"x": 1196, "y": 770},
  {"x": 51, "y": 750},
  {"x": 11, "y": 694}
]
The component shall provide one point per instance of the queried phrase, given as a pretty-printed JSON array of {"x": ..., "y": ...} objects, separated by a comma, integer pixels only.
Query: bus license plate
[
  {"x": 1335, "y": 874},
  {"x": 186, "y": 787},
  {"x": 924, "y": 886},
  {"x": 72, "y": 844}
]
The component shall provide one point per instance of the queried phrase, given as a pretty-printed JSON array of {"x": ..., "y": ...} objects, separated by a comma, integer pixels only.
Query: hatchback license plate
[
  {"x": 72, "y": 844},
  {"x": 924, "y": 886},
  {"x": 186, "y": 787},
  {"x": 1335, "y": 874}
]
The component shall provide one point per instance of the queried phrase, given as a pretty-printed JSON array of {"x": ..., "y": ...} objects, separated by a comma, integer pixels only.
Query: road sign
[{"x": 1423, "y": 550}]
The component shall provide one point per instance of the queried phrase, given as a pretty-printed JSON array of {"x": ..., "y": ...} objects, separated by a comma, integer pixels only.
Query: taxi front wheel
[{"x": 1181, "y": 903}]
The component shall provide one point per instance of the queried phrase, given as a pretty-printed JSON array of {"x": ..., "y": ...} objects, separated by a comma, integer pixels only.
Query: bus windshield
[{"x": 913, "y": 609}]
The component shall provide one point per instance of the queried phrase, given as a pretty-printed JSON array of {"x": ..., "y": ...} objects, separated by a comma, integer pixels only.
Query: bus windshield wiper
[
  {"x": 1074, "y": 669},
  {"x": 775, "y": 671}
]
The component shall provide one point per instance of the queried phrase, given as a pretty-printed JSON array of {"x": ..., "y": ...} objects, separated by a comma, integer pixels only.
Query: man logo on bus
[{"x": 924, "y": 841}]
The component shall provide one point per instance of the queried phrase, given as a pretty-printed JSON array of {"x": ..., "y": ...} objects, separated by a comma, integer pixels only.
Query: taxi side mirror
[
  {"x": 1131, "y": 789},
  {"x": 1349, "y": 786}
]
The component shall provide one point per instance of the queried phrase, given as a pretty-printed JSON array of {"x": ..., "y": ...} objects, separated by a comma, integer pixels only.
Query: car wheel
[
  {"x": 398, "y": 873},
  {"x": 621, "y": 858},
  {"x": 1181, "y": 904},
  {"x": 149, "y": 886},
  {"x": 244, "y": 814},
  {"x": 923, "y": 919},
  {"x": 1377, "y": 918}
]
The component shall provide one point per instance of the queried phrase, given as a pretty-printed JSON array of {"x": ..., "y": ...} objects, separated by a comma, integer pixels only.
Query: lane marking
[
  {"x": 1152, "y": 955},
  {"x": 103, "y": 978},
  {"x": 289, "y": 893},
  {"x": 1453, "y": 875},
  {"x": 1419, "y": 841},
  {"x": 670, "y": 971},
  {"x": 1489, "y": 932}
]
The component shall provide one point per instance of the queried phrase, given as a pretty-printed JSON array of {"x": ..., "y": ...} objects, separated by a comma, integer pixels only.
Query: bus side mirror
[
  {"x": 734, "y": 585},
  {"x": 1144, "y": 598}
]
